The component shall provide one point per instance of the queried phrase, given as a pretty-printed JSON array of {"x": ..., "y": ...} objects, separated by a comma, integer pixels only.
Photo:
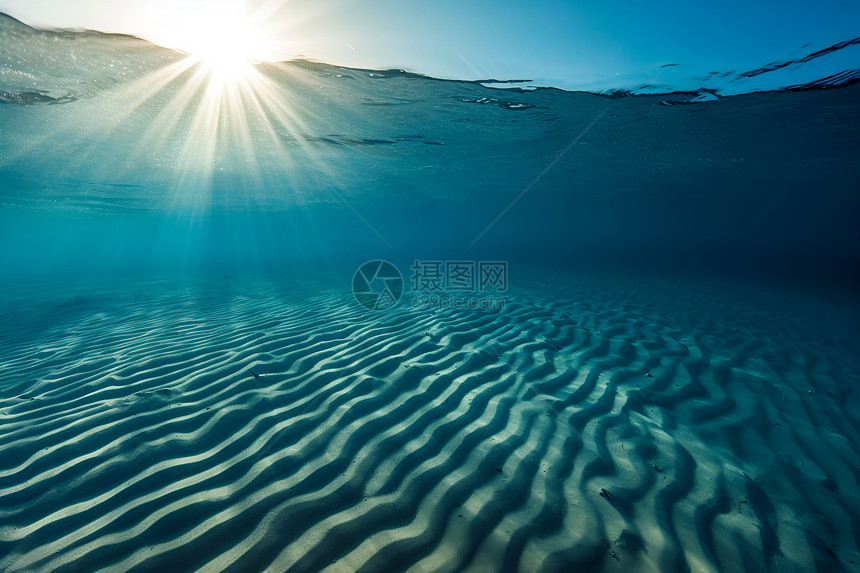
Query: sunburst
[
  {"x": 214, "y": 116},
  {"x": 228, "y": 106}
]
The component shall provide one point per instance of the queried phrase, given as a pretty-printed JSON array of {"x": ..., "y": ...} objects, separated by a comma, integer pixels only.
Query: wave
[
  {"x": 808, "y": 58},
  {"x": 57, "y": 63},
  {"x": 775, "y": 76},
  {"x": 61, "y": 66}
]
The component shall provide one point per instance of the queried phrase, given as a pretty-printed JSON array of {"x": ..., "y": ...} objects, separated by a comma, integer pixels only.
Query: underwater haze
[{"x": 315, "y": 318}]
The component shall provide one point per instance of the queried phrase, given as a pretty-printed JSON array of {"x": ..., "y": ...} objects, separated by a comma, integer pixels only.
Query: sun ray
[{"x": 207, "y": 122}]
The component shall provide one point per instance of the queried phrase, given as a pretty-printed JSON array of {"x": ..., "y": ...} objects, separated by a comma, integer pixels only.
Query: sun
[
  {"x": 222, "y": 102},
  {"x": 225, "y": 38},
  {"x": 225, "y": 44}
]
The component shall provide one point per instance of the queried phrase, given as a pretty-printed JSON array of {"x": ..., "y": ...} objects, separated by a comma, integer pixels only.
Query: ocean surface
[{"x": 329, "y": 319}]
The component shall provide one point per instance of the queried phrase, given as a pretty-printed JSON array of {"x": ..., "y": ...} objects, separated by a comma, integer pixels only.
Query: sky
[{"x": 569, "y": 44}]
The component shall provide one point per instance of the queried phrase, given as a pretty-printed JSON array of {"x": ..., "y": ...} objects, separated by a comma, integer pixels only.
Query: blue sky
[{"x": 573, "y": 44}]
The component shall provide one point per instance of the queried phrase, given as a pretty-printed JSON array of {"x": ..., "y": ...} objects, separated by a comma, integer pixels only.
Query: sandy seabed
[{"x": 272, "y": 424}]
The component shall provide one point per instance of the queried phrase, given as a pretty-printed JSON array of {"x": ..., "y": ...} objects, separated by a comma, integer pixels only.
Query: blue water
[
  {"x": 104, "y": 167},
  {"x": 161, "y": 237}
]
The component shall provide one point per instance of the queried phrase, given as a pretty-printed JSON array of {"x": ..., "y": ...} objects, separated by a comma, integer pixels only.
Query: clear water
[{"x": 188, "y": 381}]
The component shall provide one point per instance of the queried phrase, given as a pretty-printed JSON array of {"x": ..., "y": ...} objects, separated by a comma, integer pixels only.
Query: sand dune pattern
[{"x": 256, "y": 426}]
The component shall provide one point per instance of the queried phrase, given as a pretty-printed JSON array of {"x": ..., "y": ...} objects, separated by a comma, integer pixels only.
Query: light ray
[{"x": 214, "y": 124}]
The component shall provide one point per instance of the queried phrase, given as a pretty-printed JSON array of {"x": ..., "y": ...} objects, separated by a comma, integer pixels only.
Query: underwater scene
[{"x": 298, "y": 316}]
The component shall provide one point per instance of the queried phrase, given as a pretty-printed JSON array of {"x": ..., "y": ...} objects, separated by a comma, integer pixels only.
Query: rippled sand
[{"x": 590, "y": 425}]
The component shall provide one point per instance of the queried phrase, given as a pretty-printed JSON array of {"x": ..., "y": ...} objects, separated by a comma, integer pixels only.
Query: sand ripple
[{"x": 590, "y": 425}]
